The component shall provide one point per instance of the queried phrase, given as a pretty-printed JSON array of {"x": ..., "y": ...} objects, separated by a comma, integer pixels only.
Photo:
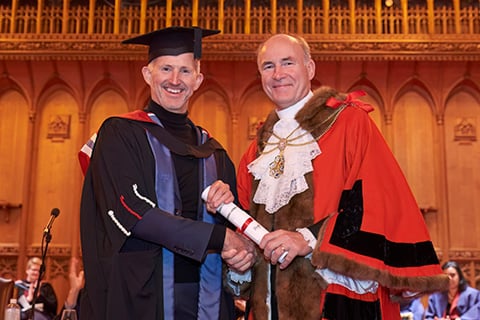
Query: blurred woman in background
[{"x": 460, "y": 302}]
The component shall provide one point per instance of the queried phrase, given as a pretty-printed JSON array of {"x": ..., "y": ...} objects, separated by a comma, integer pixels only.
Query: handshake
[{"x": 243, "y": 221}]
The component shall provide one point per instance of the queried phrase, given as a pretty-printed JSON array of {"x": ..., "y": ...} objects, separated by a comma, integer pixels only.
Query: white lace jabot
[{"x": 283, "y": 163}]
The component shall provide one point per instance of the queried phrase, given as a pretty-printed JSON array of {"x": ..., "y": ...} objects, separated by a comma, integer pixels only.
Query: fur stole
[{"x": 298, "y": 288}]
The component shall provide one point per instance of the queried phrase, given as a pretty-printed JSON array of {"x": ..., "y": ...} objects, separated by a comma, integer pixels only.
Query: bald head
[
  {"x": 293, "y": 39},
  {"x": 286, "y": 69}
]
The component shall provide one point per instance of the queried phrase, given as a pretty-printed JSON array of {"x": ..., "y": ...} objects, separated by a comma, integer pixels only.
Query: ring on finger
[{"x": 282, "y": 257}]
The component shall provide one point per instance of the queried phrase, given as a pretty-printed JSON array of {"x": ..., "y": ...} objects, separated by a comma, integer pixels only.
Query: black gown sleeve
[
  {"x": 48, "y": 298},
  {"x": 122, "y": 170},
  {"x": 170, "y": 231}
]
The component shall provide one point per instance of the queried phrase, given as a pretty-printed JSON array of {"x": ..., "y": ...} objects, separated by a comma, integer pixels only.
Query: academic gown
[
  {"x": 370, "y": 225},
  {"x": 46, "y": 297},
  {"x": 467, "y": 306},
  {"x": 124, "y": 273}
]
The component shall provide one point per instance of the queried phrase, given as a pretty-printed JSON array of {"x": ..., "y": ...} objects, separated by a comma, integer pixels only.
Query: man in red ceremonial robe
[{"x": 321, "y": 177}]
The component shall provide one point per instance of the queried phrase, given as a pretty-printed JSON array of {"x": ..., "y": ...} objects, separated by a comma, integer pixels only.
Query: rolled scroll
[{"x": 243, "y": 221}]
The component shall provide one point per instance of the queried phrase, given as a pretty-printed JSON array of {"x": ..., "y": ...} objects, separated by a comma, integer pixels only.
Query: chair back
[{"x": 6, "y": 293}]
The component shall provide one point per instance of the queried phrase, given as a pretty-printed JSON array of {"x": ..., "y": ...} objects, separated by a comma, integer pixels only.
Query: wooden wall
[{"x": 428, "y": 112}]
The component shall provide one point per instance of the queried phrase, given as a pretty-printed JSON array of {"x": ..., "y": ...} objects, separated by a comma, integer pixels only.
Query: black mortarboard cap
[{"x": 173, "y": 41}]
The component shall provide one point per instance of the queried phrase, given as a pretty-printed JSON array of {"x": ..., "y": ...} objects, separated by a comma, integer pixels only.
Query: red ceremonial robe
[{"x": 372, "y": 228}]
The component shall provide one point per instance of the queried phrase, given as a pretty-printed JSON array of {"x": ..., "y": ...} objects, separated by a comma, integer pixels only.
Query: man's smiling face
[
  {"x": 173, "y": 80},
  {"x": 285, "y": 69}
]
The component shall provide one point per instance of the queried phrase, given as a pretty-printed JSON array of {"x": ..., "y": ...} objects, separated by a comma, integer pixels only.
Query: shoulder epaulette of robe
[
  {"x": 319, "y": 113},
  {"x": 322, "y": 110}
]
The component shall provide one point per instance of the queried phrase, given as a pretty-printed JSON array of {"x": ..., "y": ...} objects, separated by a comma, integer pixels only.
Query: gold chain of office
[{"x": 277, "y": 166}]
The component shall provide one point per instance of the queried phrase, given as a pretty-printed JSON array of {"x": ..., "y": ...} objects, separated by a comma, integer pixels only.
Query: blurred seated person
[
  {"x": 77, "y": 282},
  {"x": 460, "y": 302},
  {"x": 46, "y": 303},
  {"x": 412, "y": 310}
]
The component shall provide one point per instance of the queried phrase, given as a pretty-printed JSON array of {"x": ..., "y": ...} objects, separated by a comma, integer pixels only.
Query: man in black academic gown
[{"x": 150, "y": 248}]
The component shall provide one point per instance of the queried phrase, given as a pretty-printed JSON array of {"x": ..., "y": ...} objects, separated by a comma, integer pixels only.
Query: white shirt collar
[{"x": 290, "y": 112}]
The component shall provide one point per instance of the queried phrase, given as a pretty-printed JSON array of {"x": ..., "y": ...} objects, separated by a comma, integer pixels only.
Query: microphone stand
[{"x": 47, "y": 237}]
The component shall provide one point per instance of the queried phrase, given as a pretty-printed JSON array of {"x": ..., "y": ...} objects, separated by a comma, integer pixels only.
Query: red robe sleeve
[{"x": 374, "y": 228}]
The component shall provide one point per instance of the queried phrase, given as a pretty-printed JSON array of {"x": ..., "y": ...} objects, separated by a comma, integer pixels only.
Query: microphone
[{"x": 55, "y": 212}]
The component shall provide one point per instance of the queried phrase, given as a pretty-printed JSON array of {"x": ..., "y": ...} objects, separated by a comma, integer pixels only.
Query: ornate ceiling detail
[{"x": 243, "y": 47}]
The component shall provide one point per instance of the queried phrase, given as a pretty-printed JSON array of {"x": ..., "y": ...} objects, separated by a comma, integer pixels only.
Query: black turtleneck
[{"x": 187, "y": 172}]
